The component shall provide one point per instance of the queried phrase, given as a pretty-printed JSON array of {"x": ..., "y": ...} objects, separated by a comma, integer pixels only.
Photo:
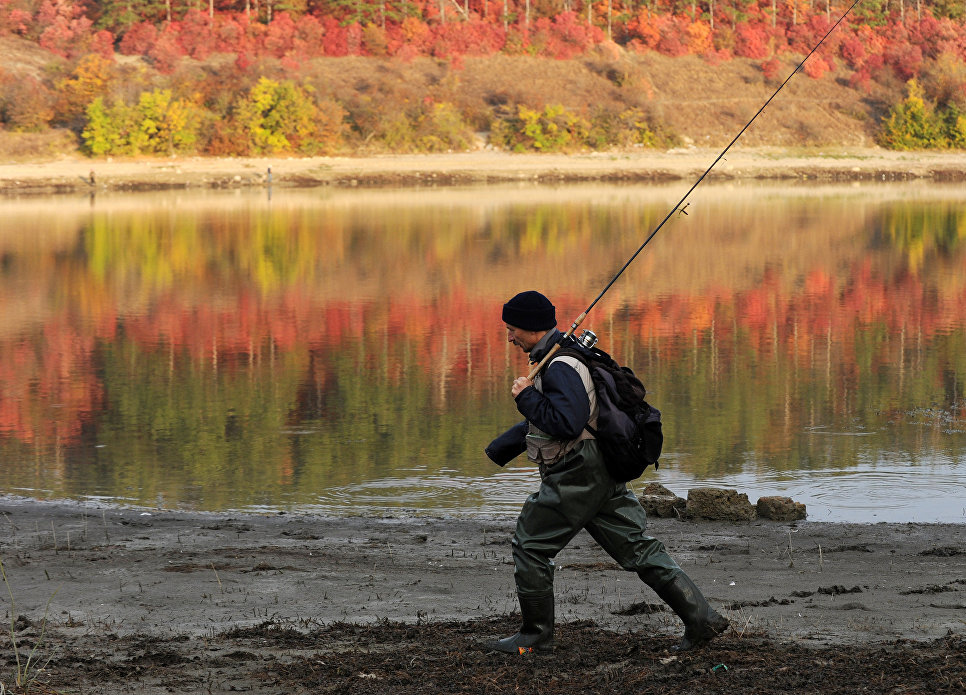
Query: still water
[{"x": 341, "y": 351}]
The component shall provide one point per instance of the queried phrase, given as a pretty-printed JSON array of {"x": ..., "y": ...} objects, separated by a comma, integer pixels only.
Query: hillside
[{"x": 687, "y": 100}]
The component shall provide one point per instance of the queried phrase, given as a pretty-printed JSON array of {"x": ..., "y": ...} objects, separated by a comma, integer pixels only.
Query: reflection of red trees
[
  {"x": 47, "y": 390},
  {"x": 50, "y": 384}
]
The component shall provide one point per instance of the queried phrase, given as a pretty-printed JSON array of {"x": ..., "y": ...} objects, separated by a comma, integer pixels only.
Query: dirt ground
[
  {"x": 71, "y": 175},
  {"x": 114, "y": 600}
]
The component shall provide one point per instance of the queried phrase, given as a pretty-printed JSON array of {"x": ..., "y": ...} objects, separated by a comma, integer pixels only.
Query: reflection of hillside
[
  {"x": 429, "y": 242},
  {"x": 189, "y": 333}
]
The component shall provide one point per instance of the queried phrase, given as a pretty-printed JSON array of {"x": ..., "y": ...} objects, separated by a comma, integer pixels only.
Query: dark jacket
[{"x": 562, "y": 410}]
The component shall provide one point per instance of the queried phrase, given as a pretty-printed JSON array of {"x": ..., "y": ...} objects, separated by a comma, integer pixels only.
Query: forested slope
[{"x": 310, "y": 77}]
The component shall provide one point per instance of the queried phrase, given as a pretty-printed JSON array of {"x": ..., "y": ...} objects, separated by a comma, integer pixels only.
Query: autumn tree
[
  {"x": 157, "y": 124},
  {"x": 279, "y": 117},
  {"x": 89, "y": 79},
  {"x": 912, "y": 124}
]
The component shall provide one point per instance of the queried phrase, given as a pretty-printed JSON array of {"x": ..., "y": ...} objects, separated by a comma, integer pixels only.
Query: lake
[{"x": 340, "y": 351}]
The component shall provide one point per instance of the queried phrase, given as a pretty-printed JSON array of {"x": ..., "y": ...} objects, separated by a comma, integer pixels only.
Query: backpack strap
[{"x": 568, "y": 354}]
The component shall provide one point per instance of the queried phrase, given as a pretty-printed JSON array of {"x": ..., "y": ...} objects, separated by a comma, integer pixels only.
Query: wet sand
[{"x": 107, "y": 577}]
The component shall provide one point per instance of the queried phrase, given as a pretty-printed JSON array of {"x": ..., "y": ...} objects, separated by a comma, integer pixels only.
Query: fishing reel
[{"x": 587, "y": 339}]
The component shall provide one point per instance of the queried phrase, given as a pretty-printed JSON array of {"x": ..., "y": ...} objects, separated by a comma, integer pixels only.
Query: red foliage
[
  {"x": 67, "y": 32},
  {"x": 566, "y": 36},
  {"x": 900, "y": 46},
  {"x": 167, "y": 50},
  {"x": 474, "y": 38},
  {"x": 861, "y": 79},
  {"x": 853, "y": 51},
  {"x": 353, "y": 39},
  {"x": 770, "y": 68},
  {"x": 905, "y": 60},
  {"x": 138, "y": 39},
  {"x": 18, "y": 22},
  {"x": 408, "y": 39},
  {"x": 751, "y": 41},
  {"x": 644, "y": 31},
  {"x": 102, "y": 43},
  {"x": 280, "y": 37},
  {"x": 309, "y": 33},
  {"x": 802, "y": 38},
  {"x": 816, "y": 66},
  {"x": 232, "y": 34},
  {"x": 195, "y": 36},
  {"x": 936, "y": 36},
  {"x": 335, "y": 40}
]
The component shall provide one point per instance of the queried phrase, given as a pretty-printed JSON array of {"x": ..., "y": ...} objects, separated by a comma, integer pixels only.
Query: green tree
[
  {"x": 107, "y": 127},
  {"x": 279, "y": 117},
  {"x": 164, "y": 125},
  {"x": 912, "y": 124},
  {"x": 158, "y": 124}
]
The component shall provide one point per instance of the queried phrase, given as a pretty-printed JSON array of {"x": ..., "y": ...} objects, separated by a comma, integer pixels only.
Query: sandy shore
[
  {"x": 73, "y": 175},
  {"x": 106, "y": 577}
]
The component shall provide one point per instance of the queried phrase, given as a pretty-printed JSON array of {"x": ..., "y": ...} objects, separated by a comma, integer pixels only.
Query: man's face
[{"x": 525, "y": 340}]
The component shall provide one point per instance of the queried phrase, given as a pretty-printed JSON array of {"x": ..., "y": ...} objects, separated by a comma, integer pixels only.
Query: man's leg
[
  {"x": 569, "y": 495},
  {"x": 619, "y": 528}
]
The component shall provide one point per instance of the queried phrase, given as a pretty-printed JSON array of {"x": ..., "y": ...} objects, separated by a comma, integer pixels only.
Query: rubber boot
[
  {"x": 536, "y": 632},
  {"x": 701, "y": 622}
]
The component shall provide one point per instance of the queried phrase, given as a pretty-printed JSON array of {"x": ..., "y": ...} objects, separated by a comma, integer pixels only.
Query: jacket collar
[{"x": 543, "y": 346}]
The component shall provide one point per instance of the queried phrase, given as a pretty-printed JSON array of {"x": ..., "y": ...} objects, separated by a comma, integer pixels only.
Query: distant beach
[{"x": 484, "y": 166}]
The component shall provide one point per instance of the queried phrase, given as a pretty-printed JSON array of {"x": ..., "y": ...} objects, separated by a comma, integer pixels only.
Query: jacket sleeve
[
  {"x": 563, "y": 409},
  {"x": 508, "y": 445}
]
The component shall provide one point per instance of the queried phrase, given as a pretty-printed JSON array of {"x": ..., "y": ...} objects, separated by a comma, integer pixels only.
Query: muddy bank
[
  {"x": 128, "y": 593},
  {"x": 473, "y": 168}
]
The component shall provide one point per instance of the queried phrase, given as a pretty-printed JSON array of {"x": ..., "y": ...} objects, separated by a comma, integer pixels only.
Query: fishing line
[{"x": 677, "y": 208}]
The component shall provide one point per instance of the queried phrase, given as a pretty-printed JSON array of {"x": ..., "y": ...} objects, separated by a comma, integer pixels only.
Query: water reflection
[{"x": 342, "y": 350}]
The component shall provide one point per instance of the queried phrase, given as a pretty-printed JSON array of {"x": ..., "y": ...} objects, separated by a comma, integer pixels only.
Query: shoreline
[
  {"x": 119, "y": 599},
  {"x": 73, "y": 175},
  {"x": 126, "y": 567}
]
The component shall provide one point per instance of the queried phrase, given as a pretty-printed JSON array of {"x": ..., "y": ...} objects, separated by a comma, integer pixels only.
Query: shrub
[
  {"x": 447, "y": 130},
  {"x": 89, "y": 79},
  {"x": 751, "y": 41},
  {"x": 912, "y": 124},
  {"x": 770, "y": 69},
  {"x": 956, "y": 128},
  {"x": 26, "y": 105},
  {"x": 163, "y": 125},
  {"x": 816, "y": 66},
  {"x": 552, "y": 130},
  {"x": 279, "y": 117},
  {"x": 138, "y": 39},
  {"x": 944, "y": 81},
  {"x": 107, "y": 128},
  {"x": 628, "y": 128},
  {"x": 158, "y": 124}
]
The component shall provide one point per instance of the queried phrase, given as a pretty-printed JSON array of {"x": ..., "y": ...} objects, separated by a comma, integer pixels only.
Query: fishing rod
[{"x": 540, "y": 365}]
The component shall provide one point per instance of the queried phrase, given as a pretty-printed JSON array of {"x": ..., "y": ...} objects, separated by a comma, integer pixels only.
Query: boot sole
[{"x": 515, "y": 650}]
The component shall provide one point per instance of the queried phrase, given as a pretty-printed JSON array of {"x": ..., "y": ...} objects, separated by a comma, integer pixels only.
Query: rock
[
  {"x": 719, "y": 504},
  {"x": 658, "y": 501},
  {"x": 780, "y": 509}
]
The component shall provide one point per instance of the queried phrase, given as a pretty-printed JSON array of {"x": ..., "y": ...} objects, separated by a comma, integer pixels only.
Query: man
[{"x": 576, "y": 492}]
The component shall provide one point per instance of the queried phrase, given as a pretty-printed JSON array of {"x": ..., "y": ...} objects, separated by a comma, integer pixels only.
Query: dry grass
[
  {"x": 23, "y": 147},
  {"x": 687, "y": 99}
]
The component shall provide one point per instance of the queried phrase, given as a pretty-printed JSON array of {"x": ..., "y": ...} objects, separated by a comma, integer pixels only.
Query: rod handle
[{"x": 553, "y": 351}]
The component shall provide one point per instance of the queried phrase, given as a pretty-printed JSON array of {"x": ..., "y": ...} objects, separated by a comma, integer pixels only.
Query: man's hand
[{"x": 520, "y": 383}]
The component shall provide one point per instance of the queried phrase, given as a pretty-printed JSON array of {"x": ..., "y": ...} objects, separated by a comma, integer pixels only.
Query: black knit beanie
[{"x": 530, "y": 311}]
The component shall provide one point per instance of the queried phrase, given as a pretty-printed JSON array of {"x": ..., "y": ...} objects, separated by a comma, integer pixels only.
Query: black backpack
[{"x": 628, "y": 428}]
